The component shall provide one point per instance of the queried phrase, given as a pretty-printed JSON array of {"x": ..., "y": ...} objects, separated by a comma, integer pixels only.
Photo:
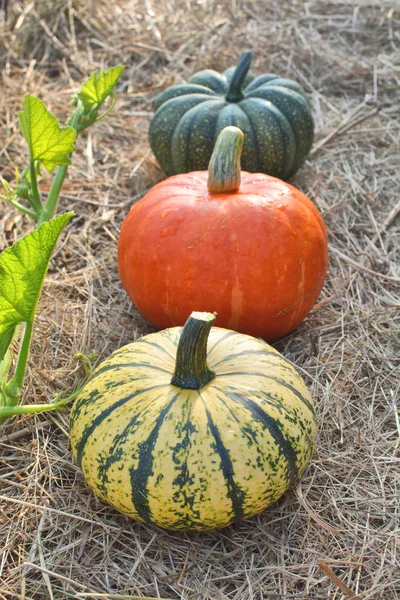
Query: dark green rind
[
  {"x": 297, "y": 112},
  {"x": 258, "y": 81},
  {"x": 274, "y": 135},
  {"x": 232, "y": 114},
  {"x": 292, "y": 85},
  {"x": 139, "y": 477},
  {"x": 211, "y": 79},
  {"x": 274, "y": 428},
  {"x": 194, "y": 137},
  {"x": 270, "y": 80},
  {"x": 182, "y": 90},
  {"x": 282, "y": 157},
  {"x": 164, "y": 123},
  {"x": 234, "y": 492}
]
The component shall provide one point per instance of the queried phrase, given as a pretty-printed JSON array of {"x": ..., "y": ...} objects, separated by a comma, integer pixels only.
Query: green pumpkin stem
[
  {"x": 224, "y": 165},
  {"x": 191, "y": 369},
  {"x": 235, "y": 89}
]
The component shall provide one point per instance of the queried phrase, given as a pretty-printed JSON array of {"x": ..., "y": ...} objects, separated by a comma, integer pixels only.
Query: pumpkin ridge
[
  {"x": 284, "y": 146},
  {"x": 254, "y": 85},
  {"x": 173, "y": 334},
  {"x": 241, "y": 353},
  {"x": 277, "y": 380},
  {"x": 117, "y": 366},
  {"x": 185, "y": 156},
  {"x": 183, "y": 91},
  {"x": 184, "y": 479},
  {"x": 115, "y": 451},
  {"x": 255, "y": 137},
  {"x": 281, "y": 364},
  {"x": 260, "y": 154},
  {"x": 266, "y": 397},
  {"x": 89, "y": 429},
  {"x": 287, "y": 147},
  {"x": 163, "y": 362},
  {"x": 94, "y": 395},
  {"x": 234, "y": 492},
  {"x": 254, "y": 140},
  {"x": 213, "y": 78},
  {"x": 158, "y": 346},
  {"x": 302, "y": 140},
  {"x": 246, "y": 432},
  {"x": 159, "y": 115},
  {"x": 290, "y": 84},
  {"x": 274, "y": 428},
  {"x": 139, "y": 476},
  {"x": 284, "y": 90},
  {"x": 221, "y": 339}
]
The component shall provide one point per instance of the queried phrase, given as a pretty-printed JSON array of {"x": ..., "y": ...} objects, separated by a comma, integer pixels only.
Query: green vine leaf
[
  {"x": 98, "y": 87},
  {"x": 49, "y": 143},
  {"x": 23, "y": 267}
]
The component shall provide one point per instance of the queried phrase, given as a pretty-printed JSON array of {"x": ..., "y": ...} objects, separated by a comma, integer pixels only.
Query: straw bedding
[{"x": 336, "y": 534}]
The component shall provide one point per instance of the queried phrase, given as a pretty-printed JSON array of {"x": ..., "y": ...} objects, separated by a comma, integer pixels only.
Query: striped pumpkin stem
[
  {"x": 191, "y": 369},
  {"x": 224, "y": 165},
  {"x": 242, "y": 68}
]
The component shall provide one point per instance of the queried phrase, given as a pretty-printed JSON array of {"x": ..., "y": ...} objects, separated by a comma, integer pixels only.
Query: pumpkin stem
[
  {"x": 191, "y": 369},
  {"x": 224, "y": 165},
  {"x": 235, "y": 89}
]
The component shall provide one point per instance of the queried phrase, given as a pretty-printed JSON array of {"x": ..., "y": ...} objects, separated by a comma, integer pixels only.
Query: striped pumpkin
[{"x": 189, "y": 428}]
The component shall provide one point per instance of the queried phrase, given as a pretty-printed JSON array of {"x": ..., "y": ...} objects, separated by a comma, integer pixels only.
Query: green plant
[
  {"x": 23, "y": 267},
  {"x": 193, "y": 427},
  {"x": 273, "y": 112},
  {"x": 51, "y": 145}
]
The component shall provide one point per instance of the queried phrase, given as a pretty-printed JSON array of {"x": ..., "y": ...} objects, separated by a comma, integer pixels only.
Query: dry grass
[{"x": 340, "y": 527}]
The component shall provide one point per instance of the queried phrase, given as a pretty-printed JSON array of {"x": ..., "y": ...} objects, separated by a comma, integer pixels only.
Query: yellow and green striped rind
[
  {"x": 189, "y": 459},
  {"x": 274, "y": 115}
]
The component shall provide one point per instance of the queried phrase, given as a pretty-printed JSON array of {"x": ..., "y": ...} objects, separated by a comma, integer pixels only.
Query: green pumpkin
[{"x": 273, "y": 113}]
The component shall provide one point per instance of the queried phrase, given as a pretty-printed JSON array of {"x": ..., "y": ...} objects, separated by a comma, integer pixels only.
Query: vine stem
[
  {"x": 10, "y": 411},
  {"x": 36, "y": 201},
  {"x": 20, "y": 207},
  {"x": 49, "y": 208},
  {"x": 19, "y": 375}
]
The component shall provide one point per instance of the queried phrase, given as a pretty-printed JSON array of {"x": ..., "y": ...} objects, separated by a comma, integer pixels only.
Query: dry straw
[{"x": 333, "y": 537}]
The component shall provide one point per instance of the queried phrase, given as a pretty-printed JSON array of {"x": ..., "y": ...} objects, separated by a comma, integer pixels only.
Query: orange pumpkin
[{"x": 248, "y": 246}]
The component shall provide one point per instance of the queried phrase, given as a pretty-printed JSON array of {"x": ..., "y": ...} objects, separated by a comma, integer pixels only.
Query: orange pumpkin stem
[{"x": 224, "y": 165}]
